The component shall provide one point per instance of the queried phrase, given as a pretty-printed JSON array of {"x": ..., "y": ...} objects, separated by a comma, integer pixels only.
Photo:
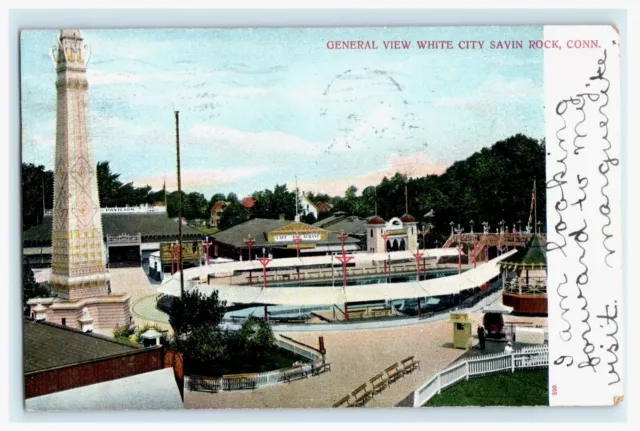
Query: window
[
  {"x": 64, "y": 321},
  {"x": 371, "y": 232}
]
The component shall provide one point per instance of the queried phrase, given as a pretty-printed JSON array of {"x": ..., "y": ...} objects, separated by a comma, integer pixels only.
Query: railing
[
  {"x": 520, "y": 286},
  {"x": 260, "y": 380},
  {"x": 143, "y": 209},
  {"x": 528, "y": 358}
]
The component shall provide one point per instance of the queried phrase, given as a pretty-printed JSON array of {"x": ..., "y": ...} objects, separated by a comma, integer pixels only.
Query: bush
[
  {"x": 123, "y": 334},
  {"x": 164, "y": 303}
]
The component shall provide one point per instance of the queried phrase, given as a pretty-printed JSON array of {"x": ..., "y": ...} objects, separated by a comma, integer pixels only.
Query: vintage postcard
[{"x": 321, "y": 217}]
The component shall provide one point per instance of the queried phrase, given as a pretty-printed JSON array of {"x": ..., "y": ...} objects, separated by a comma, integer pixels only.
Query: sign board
[
  {"x": 303, "y": 237},
  {"x": 192, "y": 251}
]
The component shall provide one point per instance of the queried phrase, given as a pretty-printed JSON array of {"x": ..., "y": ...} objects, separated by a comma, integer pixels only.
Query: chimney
[
  {"x": 40, "y": 312},
  {"x": 151, "y": 338},
  {"x": 86, "y": 321}
]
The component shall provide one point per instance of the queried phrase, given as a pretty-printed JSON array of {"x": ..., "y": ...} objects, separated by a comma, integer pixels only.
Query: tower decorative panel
[{"x": 78, "y": 269}]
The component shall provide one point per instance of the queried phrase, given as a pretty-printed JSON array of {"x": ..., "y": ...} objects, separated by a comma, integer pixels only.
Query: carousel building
[{"x": 524, "y": 279}]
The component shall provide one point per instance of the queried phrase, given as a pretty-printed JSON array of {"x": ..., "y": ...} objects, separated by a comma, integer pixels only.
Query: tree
[
  {"x": 30, "y": 288},
  {"x": 193, "y": 310},
  {"x": 233, "y": 214},
  {"x": 206, "y": 350},
  {"x": 308, "y": 218},
  {"x": 37, "y": 194}
]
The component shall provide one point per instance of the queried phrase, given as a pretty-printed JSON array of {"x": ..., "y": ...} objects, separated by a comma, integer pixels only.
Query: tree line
[{"x": 492, "y": 185}]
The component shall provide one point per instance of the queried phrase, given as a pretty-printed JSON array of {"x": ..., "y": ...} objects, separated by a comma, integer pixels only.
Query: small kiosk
[{"x": 461, "y": 330}]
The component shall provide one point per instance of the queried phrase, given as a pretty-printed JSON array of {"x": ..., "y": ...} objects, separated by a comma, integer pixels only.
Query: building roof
[
  {"x": 219, "y": 206},
  {"x": 259, "y": 228},
  {"x": 48, "y": 345},
  {"x": 407, "y": 218},
  {"x": 323, "y": 207},
  {"x": 533, "y": 255},
  {"x": 248, "y": 202},
  {"x": 149, "y": 225},
  {"x": 351, "y": 225},
  {"x": 376, "y": 219},
  {"x": 155, "y": 390}
]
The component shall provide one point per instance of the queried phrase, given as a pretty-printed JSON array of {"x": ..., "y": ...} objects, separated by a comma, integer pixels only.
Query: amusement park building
[
  {"x": 399, "y": 233},
  {"x": 130, "y": 235},
  {"x": 277, "y": 237}
]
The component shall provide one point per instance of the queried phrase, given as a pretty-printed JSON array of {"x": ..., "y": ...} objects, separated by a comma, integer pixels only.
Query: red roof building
[
  {"x": 248, "y": 202},
  {"x": 216, "y": 212}
]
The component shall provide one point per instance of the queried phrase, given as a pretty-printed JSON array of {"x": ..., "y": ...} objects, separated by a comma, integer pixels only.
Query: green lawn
[
  {"x": 278, "y": 358},
  {"x": 522, "y": 388}
]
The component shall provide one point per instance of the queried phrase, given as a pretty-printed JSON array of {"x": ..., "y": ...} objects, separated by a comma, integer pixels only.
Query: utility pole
[
  {"x": 535, "y": 206},
  {"x": 179, "y": 205}
]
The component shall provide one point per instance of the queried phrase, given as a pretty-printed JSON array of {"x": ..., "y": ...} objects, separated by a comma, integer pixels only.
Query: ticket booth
[{"x": 461, "y": 330}]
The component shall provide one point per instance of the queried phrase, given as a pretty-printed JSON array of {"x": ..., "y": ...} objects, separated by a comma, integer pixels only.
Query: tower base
[{"x": 107, "y": 311}]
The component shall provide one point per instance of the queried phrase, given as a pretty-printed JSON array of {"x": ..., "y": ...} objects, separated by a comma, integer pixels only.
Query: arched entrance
[
  {"x": 395, "y": 245},
  {"x": 403, "y": 244}
]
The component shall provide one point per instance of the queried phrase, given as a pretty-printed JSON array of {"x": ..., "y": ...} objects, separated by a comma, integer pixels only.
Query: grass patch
[
  {"x": 522, "y": 388},
  {"x": 278, "y": 358}
]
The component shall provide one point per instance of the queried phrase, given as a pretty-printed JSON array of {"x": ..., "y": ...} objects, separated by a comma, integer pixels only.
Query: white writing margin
[{"x": 583, "y": 174}]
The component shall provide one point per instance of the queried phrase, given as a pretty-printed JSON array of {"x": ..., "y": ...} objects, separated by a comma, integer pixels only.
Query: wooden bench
[
  {"x": 380, "y": 312},
  {"x": 204, "y": 384},
  {"x": 356, "y": 314},
  {"x": 316, "y": 370},
  {"x": 393, "y": 373},
  {"x": 293, "y": 373},
  {"x": 239, "y": 381},
  {"x": 410, "y": 364},
  {"x": 378, "y": 382},
  {"x": 346, "y": 400},
  {"x": 362, "y": 394}
]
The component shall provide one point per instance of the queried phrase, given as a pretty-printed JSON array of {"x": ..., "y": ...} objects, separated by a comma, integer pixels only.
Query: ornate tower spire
[{"x": 78, "y": 269}]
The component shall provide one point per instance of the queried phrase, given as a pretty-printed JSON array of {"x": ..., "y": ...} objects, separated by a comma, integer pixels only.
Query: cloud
[
  {"x": 414, "y": 166},
  {"x": 42, "y": 141},
  {"x": 493, "y": 93},
  {"x": 269, "y": 141},
  {"x": 198, "y": 179}
]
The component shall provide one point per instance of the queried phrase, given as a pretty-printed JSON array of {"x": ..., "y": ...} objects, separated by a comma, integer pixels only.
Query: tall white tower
[{"x": 78, "y": 269}]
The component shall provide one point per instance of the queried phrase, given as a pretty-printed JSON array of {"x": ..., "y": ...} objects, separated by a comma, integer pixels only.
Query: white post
[
  {"x": 466, "y": 370},
  {"x": 438, "y": 381},
  {"x": 513, "y": 362}
]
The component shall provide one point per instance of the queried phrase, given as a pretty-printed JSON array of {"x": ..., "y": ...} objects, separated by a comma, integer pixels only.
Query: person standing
[{"x": 482, "y": 337}]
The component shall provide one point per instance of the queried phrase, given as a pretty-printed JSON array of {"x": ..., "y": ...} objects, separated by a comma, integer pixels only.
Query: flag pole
[
  {"x": 535, "y": 207},
  {"x": 181, "y": 269}
]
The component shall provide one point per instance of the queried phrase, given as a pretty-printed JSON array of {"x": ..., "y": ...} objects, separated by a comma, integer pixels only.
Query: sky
[{"x": 260, "y": 107}]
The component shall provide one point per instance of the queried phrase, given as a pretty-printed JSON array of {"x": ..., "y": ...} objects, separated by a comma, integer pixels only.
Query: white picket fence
[
  {"x": 527, "y": 358},
  {"x": 259, "y": 380}
]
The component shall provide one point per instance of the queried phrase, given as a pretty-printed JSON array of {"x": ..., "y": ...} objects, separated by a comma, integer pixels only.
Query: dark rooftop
[
  {"x": 48, "y": 345},
  {"x": 150, "y": 226},
  {"x": 351, "y": 225}
]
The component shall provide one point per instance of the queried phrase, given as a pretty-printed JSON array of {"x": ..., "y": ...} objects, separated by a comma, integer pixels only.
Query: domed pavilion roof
[
  {"x": 376, "y": 219},
  {"x": 407, "y": 218}
]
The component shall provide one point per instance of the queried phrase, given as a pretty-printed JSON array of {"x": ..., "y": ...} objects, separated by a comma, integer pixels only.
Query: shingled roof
[
  {"x": 351, "y": 225},
  {"x": 150, "y": 226},
  {"x": 533, "y": 255},
  {"x": 48, "y": 345}
]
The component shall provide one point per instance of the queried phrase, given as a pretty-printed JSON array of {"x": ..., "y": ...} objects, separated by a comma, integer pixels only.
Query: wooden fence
[{"x": 269, "y": 378}]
